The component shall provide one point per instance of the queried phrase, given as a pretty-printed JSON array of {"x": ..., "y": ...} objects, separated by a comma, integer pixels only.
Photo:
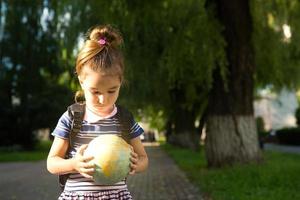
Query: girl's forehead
[
  {"x": 94, "y": 79},
  {"x": 111, "y": 71}
]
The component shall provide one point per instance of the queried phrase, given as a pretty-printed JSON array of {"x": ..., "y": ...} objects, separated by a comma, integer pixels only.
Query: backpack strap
[
  {"x": 125, "y": 118},
  {"x": 76, "y": 112}
]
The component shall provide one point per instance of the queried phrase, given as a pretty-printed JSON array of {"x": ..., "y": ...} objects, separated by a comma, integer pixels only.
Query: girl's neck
[{"x": 94, "y": 116}]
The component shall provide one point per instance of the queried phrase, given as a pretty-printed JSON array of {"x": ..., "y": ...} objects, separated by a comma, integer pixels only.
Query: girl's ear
[{"x": 80, "y": 81}]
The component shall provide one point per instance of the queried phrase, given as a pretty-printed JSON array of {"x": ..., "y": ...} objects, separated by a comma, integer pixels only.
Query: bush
[
  {"x": 260, "y": 124},
  {"x": 290, "y": 136},
  {"x": 262, "y": 133}
]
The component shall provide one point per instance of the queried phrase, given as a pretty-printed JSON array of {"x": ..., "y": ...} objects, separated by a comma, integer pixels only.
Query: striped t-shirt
[{"x": 90, "y": 130}]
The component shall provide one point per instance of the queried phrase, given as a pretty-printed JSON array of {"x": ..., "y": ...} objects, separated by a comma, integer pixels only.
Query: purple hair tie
[{"x": 102, "y": 41}]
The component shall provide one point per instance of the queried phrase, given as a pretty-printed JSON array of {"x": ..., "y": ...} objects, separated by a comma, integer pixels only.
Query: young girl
[{"x": 100, "y": 70}]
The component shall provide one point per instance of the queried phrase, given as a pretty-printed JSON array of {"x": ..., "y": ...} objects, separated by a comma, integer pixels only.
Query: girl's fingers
[
  {"x": 133, "y": 166},
  {"x": 87, "y": 158},
  {"x": 87, "y": 170},
  {"x": 132, "y": 172},
  {"x": 131, "y": 147},
  {"x": 134, "y": 155},
  {"x": 133, "y": 160},
  {"x": 82, "y": 148},
  {"x": 132, "y": 151},
  {"x": 86, "y": 175},
  {"x": 89, "y": 165}
]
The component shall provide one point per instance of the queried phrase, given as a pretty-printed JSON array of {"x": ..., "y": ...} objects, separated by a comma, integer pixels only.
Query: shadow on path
[
  {"x": 27, "y": 180},
  {"x": 162, "y": 181}
]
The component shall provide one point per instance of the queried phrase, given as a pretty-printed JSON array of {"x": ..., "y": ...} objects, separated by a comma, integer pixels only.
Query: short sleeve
[
  {"x": 135, "y": 130},
  {"x": 63, "y": 126}
]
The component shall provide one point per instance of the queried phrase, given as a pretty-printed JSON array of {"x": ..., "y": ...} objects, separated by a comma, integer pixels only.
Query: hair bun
[{"x": 111, "y": 35}]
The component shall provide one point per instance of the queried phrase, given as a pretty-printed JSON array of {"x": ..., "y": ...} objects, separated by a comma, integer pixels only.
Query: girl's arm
[
  {"x": 57, "y": 164},
  {"x": 139, "y": 158}
]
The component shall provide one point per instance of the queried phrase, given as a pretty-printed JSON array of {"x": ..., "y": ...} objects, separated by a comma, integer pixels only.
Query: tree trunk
[
  {"x": 231, "y": 129},
  {"x": 181, "y": 130}
]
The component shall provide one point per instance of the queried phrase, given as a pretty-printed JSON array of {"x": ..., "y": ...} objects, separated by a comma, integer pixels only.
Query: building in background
[{"x": 276, "y": 109}]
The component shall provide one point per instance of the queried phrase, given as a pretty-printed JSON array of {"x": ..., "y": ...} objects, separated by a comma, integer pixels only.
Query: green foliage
[
  {"x": 40, "y": 152},
  {"x": 262, "y": 133},
  {"x": 182, "y": 46},
  {"x": 29, "y": 72},
  {"x": 277, "y": 56},
  {"x": 171, "y": 49},
  {"x": 274, "y": 179},
  {"x": 156, "y": 119},
  {"x": 260, "y": 124},
  {"x": 170, "y": 59}
]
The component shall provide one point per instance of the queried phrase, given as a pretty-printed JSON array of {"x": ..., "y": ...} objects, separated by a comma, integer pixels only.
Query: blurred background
[{"x": 200, "y": 74}]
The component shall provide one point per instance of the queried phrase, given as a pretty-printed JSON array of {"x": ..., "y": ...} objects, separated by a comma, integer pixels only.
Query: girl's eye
[
  {"x": 111, "y": 92},
  {"x": 95, "y": 93}
]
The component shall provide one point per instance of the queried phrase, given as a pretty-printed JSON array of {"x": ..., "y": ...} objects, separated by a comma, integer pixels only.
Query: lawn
[
  {"x": 275, "y": 179},
  {"x": 12, "y": 155}
]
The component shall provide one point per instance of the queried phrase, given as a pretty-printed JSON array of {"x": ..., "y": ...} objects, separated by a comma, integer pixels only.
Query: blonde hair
[{"x": 101, "y": 51}]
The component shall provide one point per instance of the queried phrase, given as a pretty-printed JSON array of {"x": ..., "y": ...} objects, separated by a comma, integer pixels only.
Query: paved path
[
  {"x": 29, "y": 180},
  {"x": 282, "y": 148},
  {"x": 162, "y": 181}
]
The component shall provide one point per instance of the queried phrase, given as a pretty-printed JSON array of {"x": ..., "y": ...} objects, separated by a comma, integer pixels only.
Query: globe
[{"x": 111, "y": 158}]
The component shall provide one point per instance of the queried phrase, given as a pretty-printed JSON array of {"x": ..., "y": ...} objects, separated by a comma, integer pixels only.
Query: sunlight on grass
[
  {"x": 276, "y": 179},
  {"x": 40, "y": 153}
]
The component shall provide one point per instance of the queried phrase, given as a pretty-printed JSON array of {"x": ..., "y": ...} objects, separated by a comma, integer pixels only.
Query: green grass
[
  {"x": 275, "y": 179},
  {"x": 41, "y": 151}
]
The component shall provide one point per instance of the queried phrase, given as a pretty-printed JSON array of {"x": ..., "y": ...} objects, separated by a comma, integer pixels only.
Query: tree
[
  {"x": 29, "y": 72},
  {"x": 162, "y": 44},
  {"x": 175, "y": 56},
  {"x": 231, "y": 130},
  {"x": 275, "y": 40},
  {"x": 181, "y": 47}
]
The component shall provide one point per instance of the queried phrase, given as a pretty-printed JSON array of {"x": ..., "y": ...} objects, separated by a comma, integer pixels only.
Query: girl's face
[{"x": 100, "y": 91}]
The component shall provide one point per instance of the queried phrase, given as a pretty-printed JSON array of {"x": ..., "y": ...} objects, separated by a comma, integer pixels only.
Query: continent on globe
[{"x": 111, "y": 158}]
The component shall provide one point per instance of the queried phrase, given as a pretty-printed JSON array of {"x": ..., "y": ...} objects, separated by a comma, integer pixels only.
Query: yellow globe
[{"x": 111, "y": 158}]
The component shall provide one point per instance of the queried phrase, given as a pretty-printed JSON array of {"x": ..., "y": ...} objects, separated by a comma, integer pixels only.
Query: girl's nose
[{"x": 101, "y": 98}]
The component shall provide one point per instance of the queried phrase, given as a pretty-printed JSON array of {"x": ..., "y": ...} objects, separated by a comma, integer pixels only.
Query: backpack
[{"x": 76, "y": 112}]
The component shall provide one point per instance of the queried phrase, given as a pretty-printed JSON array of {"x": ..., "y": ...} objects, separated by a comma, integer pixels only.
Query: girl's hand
[
  {"x": 134, "y": 161},
  {"x": 82, "y": 163}
]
